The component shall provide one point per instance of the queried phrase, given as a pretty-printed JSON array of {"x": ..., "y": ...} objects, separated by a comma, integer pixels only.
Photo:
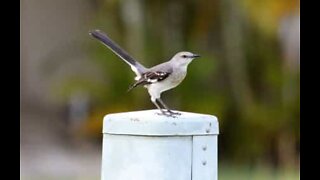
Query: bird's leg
[
  {"x": 154, "y": 101},
  {"x": 166, "y": 107}
]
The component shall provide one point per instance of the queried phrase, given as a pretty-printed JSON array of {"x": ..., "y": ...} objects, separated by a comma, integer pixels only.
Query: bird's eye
[{"x": 184, "y": 56}]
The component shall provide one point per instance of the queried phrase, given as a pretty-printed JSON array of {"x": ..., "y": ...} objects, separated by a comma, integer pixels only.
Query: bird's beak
[{"x": 195, "y": 55}]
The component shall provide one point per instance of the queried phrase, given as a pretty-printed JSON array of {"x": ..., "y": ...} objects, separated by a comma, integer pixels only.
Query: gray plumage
[{"x": 156, "y": 79}]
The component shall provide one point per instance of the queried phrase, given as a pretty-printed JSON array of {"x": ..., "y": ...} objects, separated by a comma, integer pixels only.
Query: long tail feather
[{"x": 114, "y": 47}]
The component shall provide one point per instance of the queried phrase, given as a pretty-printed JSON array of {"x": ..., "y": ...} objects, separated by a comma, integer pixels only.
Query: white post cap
[{"x": 150, "y": 123}]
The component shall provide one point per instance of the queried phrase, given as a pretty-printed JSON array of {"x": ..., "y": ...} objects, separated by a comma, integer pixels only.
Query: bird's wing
[{"x": 151, "y": 77}]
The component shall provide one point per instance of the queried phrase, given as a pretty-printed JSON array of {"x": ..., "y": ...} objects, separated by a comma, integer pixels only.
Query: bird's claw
[
  {"x": 169, "y": 113},
  {"x": 173, "y": 113},
  {"x": 165, "y": 114}
]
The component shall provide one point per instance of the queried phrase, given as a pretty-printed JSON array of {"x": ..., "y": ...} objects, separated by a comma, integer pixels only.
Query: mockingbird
[{"x": 156, "y": 79}]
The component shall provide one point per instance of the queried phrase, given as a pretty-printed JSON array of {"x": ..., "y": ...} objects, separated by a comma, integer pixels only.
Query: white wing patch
[
  {"x": 152, "y": 80},
  {"x": 152, "y": 77}
]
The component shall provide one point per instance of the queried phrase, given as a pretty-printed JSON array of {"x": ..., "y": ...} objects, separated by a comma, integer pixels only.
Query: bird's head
[{"x": 184, "y": 58}]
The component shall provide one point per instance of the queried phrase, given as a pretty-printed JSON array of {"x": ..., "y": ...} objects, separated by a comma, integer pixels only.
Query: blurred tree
[{"x": 245, "y": 75}]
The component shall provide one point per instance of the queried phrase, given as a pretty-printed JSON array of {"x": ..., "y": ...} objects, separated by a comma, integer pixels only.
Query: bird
[{"x": 156, "y": 79}]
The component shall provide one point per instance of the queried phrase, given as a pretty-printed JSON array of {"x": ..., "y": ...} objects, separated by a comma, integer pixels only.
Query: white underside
[
  {"x": 172, "y": 81},
  {"x": 135, "y": 70}
]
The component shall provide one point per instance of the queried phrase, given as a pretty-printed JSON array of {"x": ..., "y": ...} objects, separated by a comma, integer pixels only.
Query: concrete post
[{"x": 142, "y": 145}]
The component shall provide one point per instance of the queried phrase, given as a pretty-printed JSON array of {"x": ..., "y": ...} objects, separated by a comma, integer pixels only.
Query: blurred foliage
[
  {"x": 242, "y": 76},
  {"x": 266, "y": 14},
  {"x": 260, "y": 172}
]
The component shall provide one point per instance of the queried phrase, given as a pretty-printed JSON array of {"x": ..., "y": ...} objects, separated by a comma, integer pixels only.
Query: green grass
[{"x": 226, "y": 172}]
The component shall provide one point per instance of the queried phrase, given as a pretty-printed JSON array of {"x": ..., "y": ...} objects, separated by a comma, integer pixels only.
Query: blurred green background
[{"x": 248, "y": 76}]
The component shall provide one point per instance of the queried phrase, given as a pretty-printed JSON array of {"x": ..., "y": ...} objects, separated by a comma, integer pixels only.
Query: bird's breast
[
  {"x": 171, "y": 82},
  {"x": 177, "y": 77}
]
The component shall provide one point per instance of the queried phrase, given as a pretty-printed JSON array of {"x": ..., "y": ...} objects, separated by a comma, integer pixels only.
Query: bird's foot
[
  {"x": 173, "y": 113},
  {"x": 168, "y": 114}
]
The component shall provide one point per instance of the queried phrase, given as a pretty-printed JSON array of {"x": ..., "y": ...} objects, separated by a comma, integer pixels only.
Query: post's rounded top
[{"x": 150, "y": 123}]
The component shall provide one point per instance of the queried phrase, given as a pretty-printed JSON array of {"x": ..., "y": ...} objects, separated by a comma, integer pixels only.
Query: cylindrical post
[{"x": 143, "y": 145}]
